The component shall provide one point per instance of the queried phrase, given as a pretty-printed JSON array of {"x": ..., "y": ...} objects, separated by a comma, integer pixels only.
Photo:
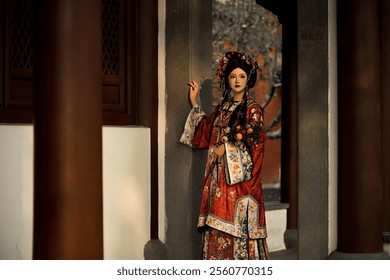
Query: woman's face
[{"x": 237, "y": 80}]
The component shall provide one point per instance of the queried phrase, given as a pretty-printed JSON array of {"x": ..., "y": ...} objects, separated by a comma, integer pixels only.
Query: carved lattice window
[
  {"x": 111, "y": 37},
  {"x": 16, "y": 61},
  {"x": 19, "y": 93},
  {"x": 22, "y": 35},
  {"x": 112, "y": 56}
]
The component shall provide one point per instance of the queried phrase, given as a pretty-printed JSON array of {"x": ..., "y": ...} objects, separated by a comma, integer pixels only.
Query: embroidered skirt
[{"x": 218, "y": 245}]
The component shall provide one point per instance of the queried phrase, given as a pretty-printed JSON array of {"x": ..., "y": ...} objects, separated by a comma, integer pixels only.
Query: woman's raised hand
[{"x": 194, "y": 92}]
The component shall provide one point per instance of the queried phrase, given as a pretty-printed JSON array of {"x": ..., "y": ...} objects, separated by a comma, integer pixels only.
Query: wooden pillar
[
  {"x": 385, "y": 102},
  {"x": 359, "y": 143},
  {"x": 68, "y": 218},
  {"x": 147, "y": 60},
  {"x": 289, "y": 162}
]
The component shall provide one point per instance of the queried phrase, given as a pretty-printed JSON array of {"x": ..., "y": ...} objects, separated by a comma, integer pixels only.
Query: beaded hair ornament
[
  {"x": 223, "y": 62},
  {"x": 241, "y": 131}
]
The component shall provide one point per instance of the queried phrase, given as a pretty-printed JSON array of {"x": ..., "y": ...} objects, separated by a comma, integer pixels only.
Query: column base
[
  {"x": 291, "y": 239},
  {"x": 336, "y": 255},
  {"x": 155, "y": 250}
]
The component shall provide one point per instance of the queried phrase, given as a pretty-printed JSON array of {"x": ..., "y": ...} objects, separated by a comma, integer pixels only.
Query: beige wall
[
  {"x": 126, "y": 190},
  {"x": 16, "y": 192}
]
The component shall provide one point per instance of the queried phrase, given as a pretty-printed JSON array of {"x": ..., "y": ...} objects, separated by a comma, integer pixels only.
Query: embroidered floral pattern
[
  {"x": 232, "y": 196},
  {"x": 219, "y": 245},
  {"x": 246, "y": 210},
  {"x": 250, "y": 205},
  {"x": 194, "y": 117},
  {"x": 232, "y": 214},
  {"x": 238, "y": 163}
]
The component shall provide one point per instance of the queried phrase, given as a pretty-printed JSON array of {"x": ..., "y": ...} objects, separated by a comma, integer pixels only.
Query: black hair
[
  {"x": 237, "y": 60},
  {"x": 243, "y": 61}
]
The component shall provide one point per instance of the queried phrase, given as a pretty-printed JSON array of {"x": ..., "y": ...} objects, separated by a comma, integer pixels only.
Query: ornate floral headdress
[{"x": 223, "y": 61}]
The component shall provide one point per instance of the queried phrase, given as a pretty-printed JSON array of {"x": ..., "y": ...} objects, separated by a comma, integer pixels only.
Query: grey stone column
[
  {"x": 313, "y": 141},
  {"x": 188, "y": 56}
]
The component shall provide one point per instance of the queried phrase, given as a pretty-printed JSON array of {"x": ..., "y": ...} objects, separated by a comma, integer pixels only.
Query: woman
[{"x": 232, "y": 208}]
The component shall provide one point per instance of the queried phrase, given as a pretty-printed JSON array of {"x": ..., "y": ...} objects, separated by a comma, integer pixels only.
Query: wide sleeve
[
  {"x": 194, "y": 118},
  {"x": 256, "y": 121}
]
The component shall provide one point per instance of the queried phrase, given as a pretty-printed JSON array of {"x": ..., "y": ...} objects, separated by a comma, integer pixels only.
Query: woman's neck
[{"x": 238, "y": 96}]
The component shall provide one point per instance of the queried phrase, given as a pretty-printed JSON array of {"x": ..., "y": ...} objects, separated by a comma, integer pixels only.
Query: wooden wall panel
[{"x": 119, "y": 38}]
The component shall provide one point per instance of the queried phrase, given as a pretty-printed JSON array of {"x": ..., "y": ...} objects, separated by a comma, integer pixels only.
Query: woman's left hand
[{"x": 218, "y": 153}]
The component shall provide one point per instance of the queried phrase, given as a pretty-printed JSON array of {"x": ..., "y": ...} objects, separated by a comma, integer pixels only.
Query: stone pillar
[
  {"x": 359, "y": 143},
  {"x": 313, "y": 127},
  {"x": 188, "y": 56},
  {"x": 68, "y": 217}
]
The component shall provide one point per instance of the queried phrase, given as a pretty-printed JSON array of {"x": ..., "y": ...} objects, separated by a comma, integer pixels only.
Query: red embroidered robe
[{"x": 228, "y": 208}]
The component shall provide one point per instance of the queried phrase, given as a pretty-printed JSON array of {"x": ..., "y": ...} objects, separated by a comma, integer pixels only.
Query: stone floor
[
  {"x": 288, "y": 254},
  {"x": 291, "y": 254}
]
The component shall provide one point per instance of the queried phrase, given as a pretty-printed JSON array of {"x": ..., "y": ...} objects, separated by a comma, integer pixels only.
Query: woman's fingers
[
  {"x": 193, "y": 92},
  {"x": 193, "y": 84},
  {"x": 218, "y": 153}
]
